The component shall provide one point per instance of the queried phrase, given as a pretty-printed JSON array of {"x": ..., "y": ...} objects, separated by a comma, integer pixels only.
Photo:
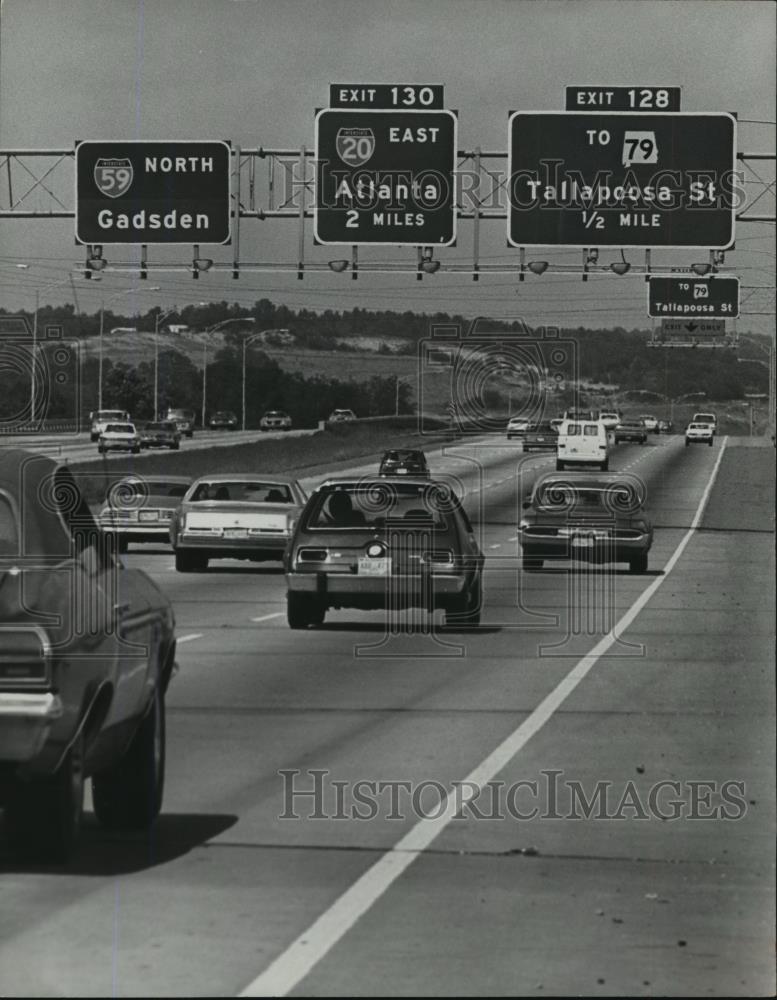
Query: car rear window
[
  {"x": 380, "y": 505},
  {"x": 615, "y": 497},
  {"x": 244, "y": 492},
  {"x": 120, "y": 428},
  {"x": 591, "y": 430}
]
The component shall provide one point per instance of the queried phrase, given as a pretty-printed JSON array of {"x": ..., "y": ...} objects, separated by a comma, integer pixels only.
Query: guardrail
[{"x": 53, "y": 427}]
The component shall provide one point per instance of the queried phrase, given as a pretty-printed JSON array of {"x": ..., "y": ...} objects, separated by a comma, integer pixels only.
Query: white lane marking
[
  {"x": 264, "y": 618},
  {"x": 513, "y": 538},
  {"x": 294, "y": 964},
  {"x": 496, "y": 546},
  {"x": 188, "y": 638}
]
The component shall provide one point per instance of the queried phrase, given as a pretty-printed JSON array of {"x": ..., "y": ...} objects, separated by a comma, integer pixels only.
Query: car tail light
[
  {"x": 312, "y": 555},
  {"x": 25, "y": 658}
]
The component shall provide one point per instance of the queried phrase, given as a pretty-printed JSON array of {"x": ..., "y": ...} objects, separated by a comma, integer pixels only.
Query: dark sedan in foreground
[
  {"x": 598, "y": 519},
  {"x": 87, "y": 649},
  {"x": 388, "y": 544}
]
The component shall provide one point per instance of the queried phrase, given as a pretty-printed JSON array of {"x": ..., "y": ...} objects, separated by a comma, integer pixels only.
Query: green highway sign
[
  {"x": 593, "y": 179},
  {"x": 385, "y": 177}
]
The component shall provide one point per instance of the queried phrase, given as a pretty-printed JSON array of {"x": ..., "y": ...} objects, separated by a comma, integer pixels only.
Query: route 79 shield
[
  {"x": 113, "y": 177},
  {"x": 355, "y": 146}
]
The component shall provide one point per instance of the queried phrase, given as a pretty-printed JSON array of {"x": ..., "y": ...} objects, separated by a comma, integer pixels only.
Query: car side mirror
[{"x": 526, "y": 504}]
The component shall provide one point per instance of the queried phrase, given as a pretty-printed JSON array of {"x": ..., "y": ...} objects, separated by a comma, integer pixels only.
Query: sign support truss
[{"x": 40, "y": 184}]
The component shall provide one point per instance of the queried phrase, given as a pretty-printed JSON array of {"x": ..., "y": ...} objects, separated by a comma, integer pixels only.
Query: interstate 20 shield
[{"x": 355, "y": 146}]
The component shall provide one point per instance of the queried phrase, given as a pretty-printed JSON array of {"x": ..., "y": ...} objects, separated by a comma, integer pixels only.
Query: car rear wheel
[
  {"x": 303, "y": 610},
  {"x": 468, "y": 611},
  {"x": 129, "y": 795},
  {"x": 687, "y": 443},
  {"x": 710, "y": 442},
  {"x": 43, "y": 818},
  {"x": 175, "y": 446},
  {"x": 100, "y": 449},
  {"x": 605, "y": 465},
  {"x": 639, "y": 564},
  {"x": 190, "y": 562}
]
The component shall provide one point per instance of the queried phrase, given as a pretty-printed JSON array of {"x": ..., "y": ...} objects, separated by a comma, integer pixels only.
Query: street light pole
[
  {"x": 204, "y": 377},
  {"x": 243, "y": 405},
  {"x": 34, "y": 349},
  {"x": 100, "y": 358},
  {"x": 157, "y": 320}
]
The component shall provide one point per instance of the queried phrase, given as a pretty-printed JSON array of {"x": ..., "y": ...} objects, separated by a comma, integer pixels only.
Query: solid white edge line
[
  {"x": 264, "y": 618},
  {"x": 297, "y": 960},
  {"x": 188, "y": 638}
]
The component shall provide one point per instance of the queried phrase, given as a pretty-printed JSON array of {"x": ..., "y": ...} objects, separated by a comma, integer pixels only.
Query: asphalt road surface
[{"x": 638, "y": 689}]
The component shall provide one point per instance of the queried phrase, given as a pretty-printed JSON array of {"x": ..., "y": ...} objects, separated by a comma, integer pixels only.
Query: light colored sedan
[
  {"x": 234, "y": 516},
  {"x": 275, "y": 420},
  {"x": 698, "y": 433},
  {"x": 119, "y": 437}
]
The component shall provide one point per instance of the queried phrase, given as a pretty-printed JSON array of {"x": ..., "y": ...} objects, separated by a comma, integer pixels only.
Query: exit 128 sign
[{"x": 385, "y": 177}]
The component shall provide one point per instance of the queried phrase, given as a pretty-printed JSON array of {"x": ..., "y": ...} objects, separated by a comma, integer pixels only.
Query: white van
[{"x": 584, "y": 442}]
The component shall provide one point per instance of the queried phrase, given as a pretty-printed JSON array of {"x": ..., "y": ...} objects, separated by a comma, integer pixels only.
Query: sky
[{"x": 254, "y": 71}]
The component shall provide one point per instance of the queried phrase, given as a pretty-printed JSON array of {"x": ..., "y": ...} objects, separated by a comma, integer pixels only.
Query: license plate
[
  {"x": 235, "y": 533},
  {"x": 582, "y": 542},
  {"x": 374, "y": 567}
]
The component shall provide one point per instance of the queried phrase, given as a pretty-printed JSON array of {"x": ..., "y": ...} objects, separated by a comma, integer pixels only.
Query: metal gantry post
[{"x": 236, "y": 217}]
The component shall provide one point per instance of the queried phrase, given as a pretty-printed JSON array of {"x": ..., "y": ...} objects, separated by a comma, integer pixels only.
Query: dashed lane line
[
  {"x": 266, "y": 618},
  {"x": 189, "y": 638},
  {"x": 288, "y": 970}
]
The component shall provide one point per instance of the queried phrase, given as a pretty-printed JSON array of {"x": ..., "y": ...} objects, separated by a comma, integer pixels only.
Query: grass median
[{"x": 322, "y": 451}]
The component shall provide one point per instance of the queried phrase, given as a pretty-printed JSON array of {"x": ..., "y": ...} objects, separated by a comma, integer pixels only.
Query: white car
[
  {"x": 339, "y": 416},
  {"x": 698, "y": 433},
  {"x": 101, "y": 418},
  {"x": 650, "y": 422},
  {"x": 516, "y": 427},
  {"x": 275, "y": 420},
  {"x": 610, "y": 419},
  {"x": 706, "y": 418},
  {"x": 119, "y": 437}
]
